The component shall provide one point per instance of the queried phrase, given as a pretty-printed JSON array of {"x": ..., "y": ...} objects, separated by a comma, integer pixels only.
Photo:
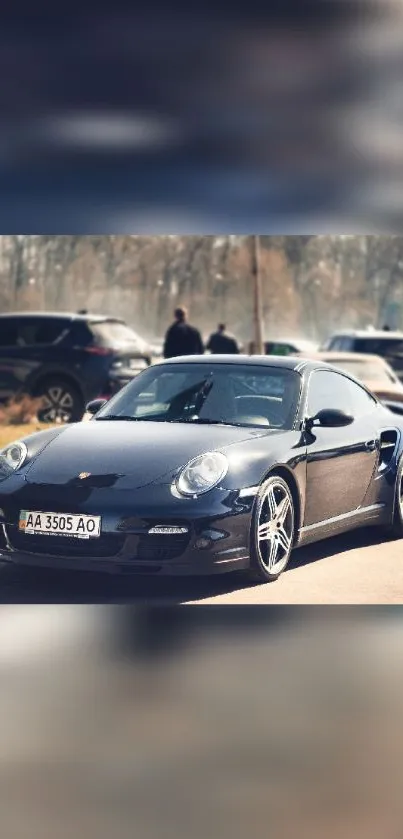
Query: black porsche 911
[{"x": 205, "y": 464}]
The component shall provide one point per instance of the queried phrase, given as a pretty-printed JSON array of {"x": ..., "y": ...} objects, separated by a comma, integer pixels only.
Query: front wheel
[
  {"x": 60, "y": 402},
  {"x": 272, "y": 532}
]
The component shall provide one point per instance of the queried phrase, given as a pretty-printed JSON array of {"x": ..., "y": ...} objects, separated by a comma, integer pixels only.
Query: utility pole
[{"x": 257, "y": 295}]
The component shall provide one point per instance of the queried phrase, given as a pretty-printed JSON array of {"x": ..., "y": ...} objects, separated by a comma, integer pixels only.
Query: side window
[
  {"x": 27, "y": 329},
  {"x": 334, "y": 343},
  {"x": 333, "y": 390},
  {"x": 38, "y": 331},
  {"x": 362, "y": 401},
  {"x": 340, "y": 344},
  {"x": 383, "y": 347},
  {"x": 8, "y": 333},
  {"x": 79, "y": 334},
  {"x": 329, "y": 390},
  {"x": 281, "y": 349},
  {"x": 372, "y": 346},
  {"x": 48, "y": 331}
]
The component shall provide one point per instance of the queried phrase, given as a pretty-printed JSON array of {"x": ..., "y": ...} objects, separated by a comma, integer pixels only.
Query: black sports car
[{"x": 205, "y": 464}]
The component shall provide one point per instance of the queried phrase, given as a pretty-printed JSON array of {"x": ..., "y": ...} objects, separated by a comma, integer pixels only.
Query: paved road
[{"x": 361, "y": 567}]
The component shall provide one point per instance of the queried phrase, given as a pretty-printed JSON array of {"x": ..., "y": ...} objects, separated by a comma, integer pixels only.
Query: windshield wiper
[
  {"x": 205, "y": 421},
  {"x": 127, "y": 418}
]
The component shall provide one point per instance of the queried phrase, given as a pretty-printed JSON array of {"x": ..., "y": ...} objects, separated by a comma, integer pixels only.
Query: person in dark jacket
[
  {"x": 182, "y": 338},
  {"x": 221, "y": 343}
]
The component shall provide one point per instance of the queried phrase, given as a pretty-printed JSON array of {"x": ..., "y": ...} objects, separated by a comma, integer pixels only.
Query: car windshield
[
  {"x": 113, "y": 333},
  {"x": 230, "y": 394},
  {"x": 366, "y": 371}
]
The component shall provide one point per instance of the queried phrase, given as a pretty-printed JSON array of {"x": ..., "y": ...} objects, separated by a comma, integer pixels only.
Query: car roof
[
  {"x": 63, "y": 315},
  {"x": 367, "y": 333},
  {"x": 288, "y": 362},
  {"x": 347, "y": 356}
]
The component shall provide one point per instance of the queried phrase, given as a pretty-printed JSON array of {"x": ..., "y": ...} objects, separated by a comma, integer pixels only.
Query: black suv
[
  {"x": 387, "y": 344},
  {"x": 67, "y": 360}
]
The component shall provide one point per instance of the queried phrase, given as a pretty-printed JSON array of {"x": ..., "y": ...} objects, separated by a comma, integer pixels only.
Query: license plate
[{"x": 82, "y": 527}]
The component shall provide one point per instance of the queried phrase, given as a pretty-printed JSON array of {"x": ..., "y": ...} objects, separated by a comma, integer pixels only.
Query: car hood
[{"x": 126, "y": 454}]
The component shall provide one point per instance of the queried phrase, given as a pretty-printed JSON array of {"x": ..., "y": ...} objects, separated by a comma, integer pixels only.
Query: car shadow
[
  {"x": 20, "y": 586},
  {"x": 355, "y": 539}
]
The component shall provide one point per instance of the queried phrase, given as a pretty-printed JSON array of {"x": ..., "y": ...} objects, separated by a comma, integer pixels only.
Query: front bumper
[{"x": 216, "y": 538}]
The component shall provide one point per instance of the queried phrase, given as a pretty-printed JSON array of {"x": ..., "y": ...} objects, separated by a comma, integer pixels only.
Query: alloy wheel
[
  {"x": 57, "y": 405},
  {"x": 275, "y": 528}
]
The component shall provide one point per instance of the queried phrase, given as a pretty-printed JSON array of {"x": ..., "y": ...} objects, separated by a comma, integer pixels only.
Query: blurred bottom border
[{"x": 179, "y": 720}]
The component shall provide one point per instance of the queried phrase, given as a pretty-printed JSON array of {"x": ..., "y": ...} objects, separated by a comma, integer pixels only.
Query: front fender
[{"x": 35, "y": 443}]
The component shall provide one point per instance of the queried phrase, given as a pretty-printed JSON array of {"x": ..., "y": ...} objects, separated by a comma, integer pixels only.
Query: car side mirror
[
  {"x": 95, "y": 405},
  {"x": 329, "y": 418}
]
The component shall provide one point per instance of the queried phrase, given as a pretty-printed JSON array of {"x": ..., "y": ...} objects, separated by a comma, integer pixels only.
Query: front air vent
[
  {"x": 162, "y": 548},
  {"x": 3, "y": 540},
  {"x": 388, "y": 446}
]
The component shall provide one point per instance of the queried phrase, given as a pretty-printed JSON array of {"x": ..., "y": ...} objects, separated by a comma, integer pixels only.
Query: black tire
[
  {"x": 62, "y": 401},
  {"x": 269, "y": 557},
  {"x": 395, "y": 529}
]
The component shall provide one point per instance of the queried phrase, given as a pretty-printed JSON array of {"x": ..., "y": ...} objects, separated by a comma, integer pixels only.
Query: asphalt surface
[{"x": 359, "y": 568}]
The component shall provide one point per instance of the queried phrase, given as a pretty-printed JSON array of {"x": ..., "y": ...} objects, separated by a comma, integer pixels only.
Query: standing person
[
  {"x": 221, "y": 343},
  {"x": 182, "y": 338}
]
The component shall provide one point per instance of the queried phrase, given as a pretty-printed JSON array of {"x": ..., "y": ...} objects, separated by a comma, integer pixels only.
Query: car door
[
  {"x": 340, "y": 461},
  {"x": 12, "y": 368},
  {"x": 24, "y": 349}
]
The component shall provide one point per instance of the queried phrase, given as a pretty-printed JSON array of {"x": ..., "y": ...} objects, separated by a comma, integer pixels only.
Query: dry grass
[
  {"x": 10, "y": 433},
  {"x": 18, "y": 418},
  {"x": 20, "y": 411}
]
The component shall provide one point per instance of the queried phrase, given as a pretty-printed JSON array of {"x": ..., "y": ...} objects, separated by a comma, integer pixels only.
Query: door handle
[{"x": 370, "y": 445}]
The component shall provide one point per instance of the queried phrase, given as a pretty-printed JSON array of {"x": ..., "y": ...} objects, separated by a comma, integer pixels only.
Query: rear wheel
[
  {"x": 272, "y": 533},
  {"x": 61, "y": 401}
]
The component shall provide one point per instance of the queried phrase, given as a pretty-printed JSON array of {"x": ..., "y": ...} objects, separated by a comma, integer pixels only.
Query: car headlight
[
  {"x": 14, "y": 455},
  {"x": 202, "y": 474}
]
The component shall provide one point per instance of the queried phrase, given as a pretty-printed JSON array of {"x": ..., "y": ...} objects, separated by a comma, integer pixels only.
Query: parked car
[
  {"x": 66, "y": 360},
  {"x": 157, "y": 348},
  {"x": 372, "y": 370},
  {"x": 287, "y": 346},
  {"x": 389, "y": 345},
  {"x": 205, "y": 465}
]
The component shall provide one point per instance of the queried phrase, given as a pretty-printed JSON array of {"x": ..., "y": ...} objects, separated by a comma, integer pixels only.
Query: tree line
[{"x": 311, "y": 284}]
